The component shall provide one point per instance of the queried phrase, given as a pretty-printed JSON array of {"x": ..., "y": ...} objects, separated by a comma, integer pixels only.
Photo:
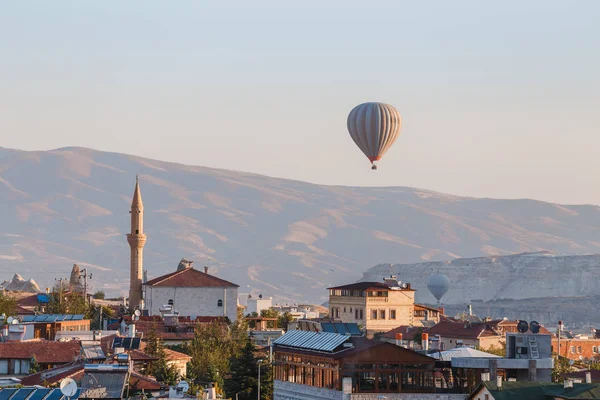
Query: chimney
[
  {"x": 499, "y": 382},
  {"x": 425, "y": 341},
  {"x": 588, "y": 377},
  {"x": 408, "y": 285},
  {"x": 212, "y": 392},
  {"x": 205, "y": 269},
  {"x": 568, "y": 383},
  {"x": 470, "y": 309},
  {"x": 398, "y": 339},
  {"x": 132, "y": 330}
]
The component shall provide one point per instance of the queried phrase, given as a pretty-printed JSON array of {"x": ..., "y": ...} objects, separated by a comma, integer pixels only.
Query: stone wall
[
  {"x": 198, "y": 301},
  {"x": 295, "y": 391}
]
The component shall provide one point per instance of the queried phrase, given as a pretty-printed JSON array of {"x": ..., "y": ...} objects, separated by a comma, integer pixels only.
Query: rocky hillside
[
  {"x": 283, "y": 238},
  {"x": 18, "y": 284}
]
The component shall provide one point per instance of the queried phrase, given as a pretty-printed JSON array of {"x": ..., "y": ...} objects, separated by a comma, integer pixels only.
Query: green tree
[
  {"x": 561, "y": 367},
  {"x": 284, "y": 319},
  {"x": 160, "y": 368},
  {"x": 8, "y": 304},
  {"x": 499, "y": 350},
  {"x": 34, "y": 367},
  {"x": 244, "y": 376},
  {"x": 63, "y": 301},
  {"x": 99, "y": 295}
]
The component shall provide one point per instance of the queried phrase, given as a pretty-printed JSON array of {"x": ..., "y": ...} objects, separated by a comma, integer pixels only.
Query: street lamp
[{"x": 259, "y": 361}]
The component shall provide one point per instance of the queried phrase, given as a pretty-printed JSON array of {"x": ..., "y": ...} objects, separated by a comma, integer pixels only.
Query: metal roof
[{"x": 319, "y": 341}]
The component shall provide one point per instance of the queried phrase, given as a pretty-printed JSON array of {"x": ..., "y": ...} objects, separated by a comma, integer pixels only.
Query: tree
[
  {"x": 284, "y": 319},
  {"x": 99, "y": 295},
  {"x": 244, "y": 376},
  {"x": 160, "y": 368},
  {"x": 499, "y": 350},
  {"x": 62, "y": 301},
  {"x": 8, "y": 304},
  {"x": 561, "y": 367},
  {"x": 34, "y": 367}
]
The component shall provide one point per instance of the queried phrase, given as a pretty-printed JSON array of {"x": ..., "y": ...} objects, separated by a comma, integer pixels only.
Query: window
[
  {"x": 344, "y": 309},
  {"x": 360, "y": 313},
  {"x": 594, "y": 349},
  {"x": 170, "y": 302},
  {"x": 374, "y": 314},
  {"x": 487, "y": 397},
  {"x": 137, "y": 231},
  {"x": 392, "y": 314},
  {"x": 381, "y": 314},
  {"x": 219, "y": 303},
  {"x": 356, "y": 313},
  {"x": 351, "y": 309},
  {"x": 573, "y": 350},
  {"x": 579, "y": 349}
]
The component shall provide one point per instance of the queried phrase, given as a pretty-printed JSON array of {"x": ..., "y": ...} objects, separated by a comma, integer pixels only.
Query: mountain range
[{"x": 281, "y": 238}]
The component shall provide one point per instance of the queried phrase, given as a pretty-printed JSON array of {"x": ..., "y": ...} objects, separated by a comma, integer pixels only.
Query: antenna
[{"x": 68, "y": 387}]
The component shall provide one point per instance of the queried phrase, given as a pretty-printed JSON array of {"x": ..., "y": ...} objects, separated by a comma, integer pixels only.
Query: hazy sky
[{"x": 499, "y": 99}]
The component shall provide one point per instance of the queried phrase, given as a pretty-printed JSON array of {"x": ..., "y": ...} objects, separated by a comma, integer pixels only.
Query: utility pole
[
  {"x": 60, "y": 292},
  {"x": 258, "y": 397},
  {"x": 84, "y": 274}
]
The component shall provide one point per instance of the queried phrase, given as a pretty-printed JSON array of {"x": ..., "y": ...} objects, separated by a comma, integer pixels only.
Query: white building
[
  {"x": 256, "y": 305},
  {"x": 192, "y": 293}
]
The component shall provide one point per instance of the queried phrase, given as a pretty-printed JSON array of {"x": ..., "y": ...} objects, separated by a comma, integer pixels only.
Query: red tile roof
[
  {"x": 406, "y": 330},
  {"x": 55, "y": 375},
  {"x": 46, "y": 352},
  {"x": 138, "y": 355},
  {"x": 172, "y": 355},
  {"x": 189, "y": 277},
  {"x": 462, "y": 330},
  {"x": 141, "y": 382},
  {"x": 185, "y": 330}
]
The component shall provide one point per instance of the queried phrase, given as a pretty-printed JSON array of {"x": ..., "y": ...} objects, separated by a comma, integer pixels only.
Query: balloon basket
[{"x": 374, "y": 167}]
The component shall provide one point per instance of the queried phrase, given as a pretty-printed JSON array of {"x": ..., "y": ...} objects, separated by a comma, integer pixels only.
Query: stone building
[
  {"x": 377, "y": 306},
  {"x": 191, "y": 292}
]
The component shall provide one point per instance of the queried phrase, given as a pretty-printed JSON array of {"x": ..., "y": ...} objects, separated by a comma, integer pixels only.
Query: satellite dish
[
  {"x": 522, "y": 326},
  {"x": 183, "y": 387},
  {"x": 193, "y": 318},
  {"x": 15, "y": 321},
  {"x": 68, "y": 387},
  {"x": 260, "y": 296},
  {"x": 9, "y": 320},
  {"x": 438, "y": 285},
  {"x": 571, "y": 362},
  {"x": 534, "y": 326}
]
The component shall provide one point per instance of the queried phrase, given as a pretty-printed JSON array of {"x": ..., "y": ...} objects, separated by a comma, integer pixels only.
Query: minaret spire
[{"x": 136, "y": 240}]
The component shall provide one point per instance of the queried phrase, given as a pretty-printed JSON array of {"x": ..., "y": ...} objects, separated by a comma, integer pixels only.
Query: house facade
[
  {"x": 377, "y": 306},
  {"x": 190, "y": 292}
]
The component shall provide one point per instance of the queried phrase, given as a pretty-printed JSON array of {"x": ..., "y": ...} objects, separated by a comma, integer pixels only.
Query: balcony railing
[{"x": 377, "y": 299}]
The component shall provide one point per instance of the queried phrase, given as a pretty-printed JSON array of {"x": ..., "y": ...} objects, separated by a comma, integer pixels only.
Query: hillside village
[{"x": 191, "y": 334}]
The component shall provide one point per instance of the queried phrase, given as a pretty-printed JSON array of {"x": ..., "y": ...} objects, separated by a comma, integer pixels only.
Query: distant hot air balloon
[
  {"x": 438, "y": 285},
  {"x": 374, "y": 127}
]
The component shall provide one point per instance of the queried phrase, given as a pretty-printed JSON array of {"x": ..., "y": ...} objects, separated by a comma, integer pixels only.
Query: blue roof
[
  {"x": 319, "y": 341},
  {"x": 43, "y": 298},
  {"x": 52, "y": 317},
  {"x": 32, "y": 393}
]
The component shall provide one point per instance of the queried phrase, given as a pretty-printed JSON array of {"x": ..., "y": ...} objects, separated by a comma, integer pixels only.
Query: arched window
[
  {"x": 219, "y": 303},
  {"x": 170, "y": 302}
]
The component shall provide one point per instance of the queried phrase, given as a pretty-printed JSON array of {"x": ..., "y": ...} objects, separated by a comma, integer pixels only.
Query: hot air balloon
[
  {"x": 438, "y": 285},
  {"x": 374, "y": 127}
]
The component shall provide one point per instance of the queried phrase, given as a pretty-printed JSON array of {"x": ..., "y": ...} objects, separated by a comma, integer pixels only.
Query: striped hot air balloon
[{"x": 374, "y": 127}]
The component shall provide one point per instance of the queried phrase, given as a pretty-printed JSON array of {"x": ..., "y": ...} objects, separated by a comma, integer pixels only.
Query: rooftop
[
  {"x": 45, "y": 352},
  {"x": 462, "y": 330},
  {"x": 366, "y": 286},
  {"x": 189, "y": 277},
  {"x": 539, "y": 391}
]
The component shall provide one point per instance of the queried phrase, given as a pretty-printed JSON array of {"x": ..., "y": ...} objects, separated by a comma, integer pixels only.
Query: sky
[{"x": 498, "y": 99}]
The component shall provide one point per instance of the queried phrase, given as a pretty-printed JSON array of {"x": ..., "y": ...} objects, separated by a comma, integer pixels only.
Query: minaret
[{"x": 136, "y": 240}]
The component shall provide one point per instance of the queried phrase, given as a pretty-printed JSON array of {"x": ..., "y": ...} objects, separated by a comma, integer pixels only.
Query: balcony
[{"x": 377, "y": 299}]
